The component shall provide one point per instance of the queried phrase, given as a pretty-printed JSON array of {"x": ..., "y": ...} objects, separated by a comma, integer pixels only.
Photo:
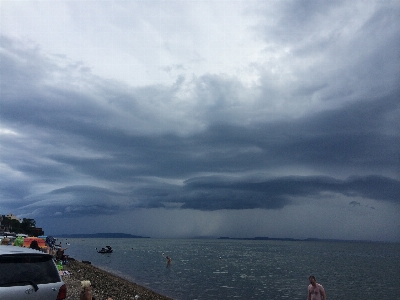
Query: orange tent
[{"x": 29, "y": 240}]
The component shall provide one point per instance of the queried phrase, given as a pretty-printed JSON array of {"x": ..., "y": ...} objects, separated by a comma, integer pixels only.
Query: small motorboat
[{"x": 107, "y": 249}]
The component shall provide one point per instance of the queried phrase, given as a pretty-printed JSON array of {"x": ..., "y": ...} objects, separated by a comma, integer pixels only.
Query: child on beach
[{"x": 86, "y": 293}]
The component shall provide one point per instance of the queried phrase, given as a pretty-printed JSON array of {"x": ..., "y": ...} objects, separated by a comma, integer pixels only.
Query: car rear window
[{"x": 22, "y": 268}]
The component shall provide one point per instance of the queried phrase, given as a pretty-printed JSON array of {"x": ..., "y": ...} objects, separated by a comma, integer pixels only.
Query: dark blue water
[{"x": 236, "y": 269}]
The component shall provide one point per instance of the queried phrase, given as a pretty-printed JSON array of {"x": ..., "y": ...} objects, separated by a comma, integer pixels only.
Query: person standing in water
[
  {"x": 169, "y": 259},
  {"x": 315, "y": 290}
]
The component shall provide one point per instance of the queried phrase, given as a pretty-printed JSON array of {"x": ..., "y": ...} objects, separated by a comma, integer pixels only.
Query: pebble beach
[{"x": 104, "y": 284}]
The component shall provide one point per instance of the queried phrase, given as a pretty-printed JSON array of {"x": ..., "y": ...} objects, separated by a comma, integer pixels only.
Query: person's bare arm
[{"x": 323, "y": 293}]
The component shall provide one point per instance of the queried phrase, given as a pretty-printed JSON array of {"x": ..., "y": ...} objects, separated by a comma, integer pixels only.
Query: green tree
[
  {"x": 28, "y": 226},
  {"x": 10, "y": 224},
  {"x": 15, "y": 226},
  {"x": 6, "y": 222}
]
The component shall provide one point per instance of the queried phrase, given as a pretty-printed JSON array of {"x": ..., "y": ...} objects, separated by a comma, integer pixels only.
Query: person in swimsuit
[{"x": 315, "y": 290}]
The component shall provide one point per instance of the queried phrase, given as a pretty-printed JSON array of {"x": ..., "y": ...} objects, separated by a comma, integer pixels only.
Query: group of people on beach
[{"x": 57, "y": 251}]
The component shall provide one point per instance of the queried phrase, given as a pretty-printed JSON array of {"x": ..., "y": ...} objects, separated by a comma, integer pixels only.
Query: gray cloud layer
[{"x": 358, "y": 138}]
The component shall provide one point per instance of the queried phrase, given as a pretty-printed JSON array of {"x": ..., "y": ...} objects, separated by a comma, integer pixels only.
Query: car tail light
[{"x": 62, "y": 292}]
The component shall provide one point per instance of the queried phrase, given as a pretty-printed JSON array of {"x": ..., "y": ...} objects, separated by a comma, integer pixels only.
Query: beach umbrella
[{"x": 29, "y": 240}]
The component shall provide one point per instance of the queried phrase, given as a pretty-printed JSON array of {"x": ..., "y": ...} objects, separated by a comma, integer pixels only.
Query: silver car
[{"x": 29, "y": 274}]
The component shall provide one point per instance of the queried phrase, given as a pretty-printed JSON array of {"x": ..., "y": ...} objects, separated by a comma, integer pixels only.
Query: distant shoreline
[
  {"x": 258, "y": 238},
  {"x": 298, "y": 240},
  {"x": 101, "y": 235}
]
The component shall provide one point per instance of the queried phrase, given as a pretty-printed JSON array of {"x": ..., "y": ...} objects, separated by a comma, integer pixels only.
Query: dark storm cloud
[
  {"x": 212, "y": 193},
  {"x": 355, "y": 137},
  {"x": 215, "y": 193},
  {"x": 96, "y": 200}
]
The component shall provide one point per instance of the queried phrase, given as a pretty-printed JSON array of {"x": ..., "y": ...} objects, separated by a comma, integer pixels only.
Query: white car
[{"x": 29, "y": 274}]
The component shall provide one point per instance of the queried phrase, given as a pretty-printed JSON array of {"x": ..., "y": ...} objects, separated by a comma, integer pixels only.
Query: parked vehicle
[{"x": 29, "y": 274}]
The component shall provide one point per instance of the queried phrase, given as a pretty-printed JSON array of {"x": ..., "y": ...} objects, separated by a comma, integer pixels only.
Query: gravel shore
[{"x": 104, "y": 284}]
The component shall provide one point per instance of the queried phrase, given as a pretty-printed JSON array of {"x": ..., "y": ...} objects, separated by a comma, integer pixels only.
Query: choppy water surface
[{"x": 237, "y": 269}]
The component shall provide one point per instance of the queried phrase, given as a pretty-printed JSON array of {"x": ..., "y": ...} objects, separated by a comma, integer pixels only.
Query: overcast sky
[{"x": 202, "y": 118}]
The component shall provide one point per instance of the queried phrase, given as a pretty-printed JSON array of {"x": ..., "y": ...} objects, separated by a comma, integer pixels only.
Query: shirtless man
[{"x": 315, "y": 290}]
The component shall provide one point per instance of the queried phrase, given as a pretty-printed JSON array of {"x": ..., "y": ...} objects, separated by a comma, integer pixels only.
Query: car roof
[{"x": 6, "y": 250}]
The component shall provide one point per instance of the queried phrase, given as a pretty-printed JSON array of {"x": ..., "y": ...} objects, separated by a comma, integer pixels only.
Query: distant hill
[
  {"x": 101, "y": 235},
  {"x": 262, "y": 238}
]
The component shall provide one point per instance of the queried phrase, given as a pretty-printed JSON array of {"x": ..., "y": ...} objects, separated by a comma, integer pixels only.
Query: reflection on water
[{"x": 235, "y": 269}]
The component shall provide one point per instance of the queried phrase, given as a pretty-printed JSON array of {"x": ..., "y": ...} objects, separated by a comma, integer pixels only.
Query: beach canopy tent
[{"x": 29, "y": 240}]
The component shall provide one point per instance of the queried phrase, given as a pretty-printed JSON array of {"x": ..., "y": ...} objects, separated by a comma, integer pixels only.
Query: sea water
[{"x": 247, "y": 269}]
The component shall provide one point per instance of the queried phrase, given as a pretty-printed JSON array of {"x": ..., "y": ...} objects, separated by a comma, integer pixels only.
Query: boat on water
[{"x": 107, "y": 249}]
